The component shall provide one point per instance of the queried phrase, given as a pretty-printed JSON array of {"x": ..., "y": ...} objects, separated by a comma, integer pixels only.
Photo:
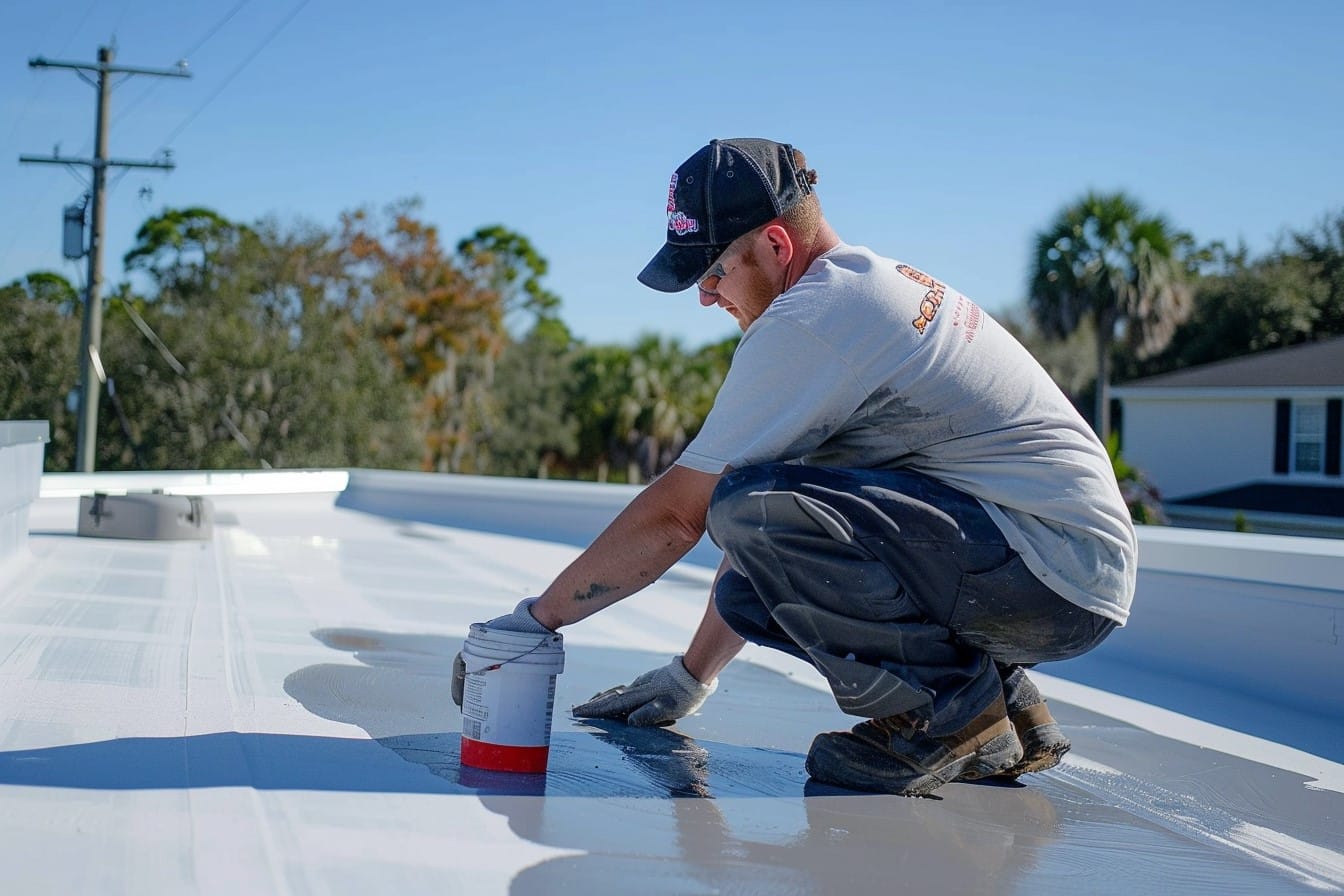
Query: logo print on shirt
[
  {"x": 967, "y": 314},
  {"x": 933, "y": 299},
  {"x": 677, "y": 222}
]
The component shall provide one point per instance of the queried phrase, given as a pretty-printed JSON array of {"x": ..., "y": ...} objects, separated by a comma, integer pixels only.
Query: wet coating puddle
[{"x": 721, "y": 803}]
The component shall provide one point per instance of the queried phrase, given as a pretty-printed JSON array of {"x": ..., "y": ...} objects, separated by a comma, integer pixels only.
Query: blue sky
[{"x": 945, "y": 134}]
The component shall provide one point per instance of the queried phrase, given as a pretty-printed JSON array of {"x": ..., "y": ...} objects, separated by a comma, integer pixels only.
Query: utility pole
[{"x": 91, "y": 334}]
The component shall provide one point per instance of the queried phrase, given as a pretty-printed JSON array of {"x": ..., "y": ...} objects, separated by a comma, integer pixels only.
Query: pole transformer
[{"x": 91, "y": 375}]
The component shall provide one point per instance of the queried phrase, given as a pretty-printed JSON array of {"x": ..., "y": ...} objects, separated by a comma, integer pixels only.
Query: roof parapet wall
[
  {"x": 1259, "y": 613},
  {"x": 22, "y": 447}
]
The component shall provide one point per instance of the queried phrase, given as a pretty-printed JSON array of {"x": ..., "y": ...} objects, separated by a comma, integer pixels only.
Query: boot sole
[
  {"x": 1043, "y": 747},
  {"x": 843, "y": 760}
]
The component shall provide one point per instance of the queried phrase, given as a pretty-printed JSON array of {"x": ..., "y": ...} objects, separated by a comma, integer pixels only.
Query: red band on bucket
[{"x": 504, "y": 758}]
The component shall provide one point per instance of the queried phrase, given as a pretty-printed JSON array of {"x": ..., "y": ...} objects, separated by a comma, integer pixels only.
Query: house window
[{"x": 1308, "y": 436}]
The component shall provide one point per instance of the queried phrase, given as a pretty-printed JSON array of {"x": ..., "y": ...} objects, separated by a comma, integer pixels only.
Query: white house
[{"x": 1256, "y": 437}]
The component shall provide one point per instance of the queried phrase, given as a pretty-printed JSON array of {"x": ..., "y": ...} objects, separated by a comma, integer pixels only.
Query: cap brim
[{"x": 675, "y": 268}]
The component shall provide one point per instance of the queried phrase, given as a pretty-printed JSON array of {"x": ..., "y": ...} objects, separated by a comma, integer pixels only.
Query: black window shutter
[
  {"x": 1283, "y": 420},
  {"x": 1332, "y": 433}
]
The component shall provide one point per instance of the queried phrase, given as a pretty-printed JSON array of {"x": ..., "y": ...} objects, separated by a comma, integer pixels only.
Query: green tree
[
  {"x": 713, "y": 361},
  {"x": 671, "y": 391},
  {"x": 245, "y": 354},
  {"x": 638, "y": 405},
  {"x": 507, "y": 265},
  {"x": 444, "y": 321},
  {"x": 601, "y": 381},
  {"x": 533, "y": 384},
  {"x": 443, "y": 330},
  {"x": 39, "y": 359},
  {"x": 1105, "y": 258},
  {"x": 1243, "y": 305},
  {"x": 1243, "y": 308},
  {"x": 180, "y": 249},
  {"x": 1321, "y": 248}
]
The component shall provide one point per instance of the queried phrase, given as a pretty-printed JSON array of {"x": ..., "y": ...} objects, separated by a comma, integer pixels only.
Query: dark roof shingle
[{"x": 1310, "y": 364}]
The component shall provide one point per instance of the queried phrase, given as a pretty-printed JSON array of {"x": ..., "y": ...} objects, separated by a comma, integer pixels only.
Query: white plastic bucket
[{"x": 508, "y": 697}]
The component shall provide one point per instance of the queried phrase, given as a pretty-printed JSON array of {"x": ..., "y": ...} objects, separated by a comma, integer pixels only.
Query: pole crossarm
[
  {"x": 97, "y": 163},
  {"x": 179, "y": 72}
]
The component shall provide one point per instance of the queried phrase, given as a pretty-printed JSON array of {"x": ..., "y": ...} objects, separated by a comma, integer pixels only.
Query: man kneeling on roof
[{"x": 903, "y": 497}]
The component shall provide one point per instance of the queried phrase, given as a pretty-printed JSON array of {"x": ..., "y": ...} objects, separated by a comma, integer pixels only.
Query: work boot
[
  {"x": 1042, "y": 742},
  {"x": 889, "y": 756}
]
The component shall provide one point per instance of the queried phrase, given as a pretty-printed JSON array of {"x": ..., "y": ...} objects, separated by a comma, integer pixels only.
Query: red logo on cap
[
  {"x": 677, "y": 222},
  {"x": 681, "y": 225}
]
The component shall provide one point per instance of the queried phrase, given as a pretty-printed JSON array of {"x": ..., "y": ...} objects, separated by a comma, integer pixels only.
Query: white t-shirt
[{"x": 869, "y": 363}]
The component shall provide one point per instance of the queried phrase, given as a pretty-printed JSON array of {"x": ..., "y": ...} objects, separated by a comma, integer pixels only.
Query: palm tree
[
  {"x": 1107, "y": 259},
  {"x": 671, "y": 390}
]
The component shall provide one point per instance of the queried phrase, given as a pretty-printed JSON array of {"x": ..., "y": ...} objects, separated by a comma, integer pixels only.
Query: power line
[
  {"x": 44, "y": 197},
  {"x": 238, "y": 70},
  {"x": 33, "y": 95},
  {"x": 205, "y": 38},
  {"x": 116, "y": 23},
  {"x": 185, "y": 54},
  {"x": 70, "y": 36},
  {"x": 154, "y": 85}
]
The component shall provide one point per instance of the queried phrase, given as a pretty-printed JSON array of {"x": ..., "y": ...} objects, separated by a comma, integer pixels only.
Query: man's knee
[{"x": 732, "y": 505}]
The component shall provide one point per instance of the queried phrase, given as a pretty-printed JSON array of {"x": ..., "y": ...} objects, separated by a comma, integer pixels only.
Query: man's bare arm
[
  {"x": 655, "y": 530},
  {"x": 714, "y": 644}
]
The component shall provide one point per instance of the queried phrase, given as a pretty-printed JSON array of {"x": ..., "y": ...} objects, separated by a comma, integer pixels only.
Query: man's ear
[{"x": 780, "y": 244}]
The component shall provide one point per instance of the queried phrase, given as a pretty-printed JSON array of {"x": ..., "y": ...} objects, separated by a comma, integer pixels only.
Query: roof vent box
[{"x": 148, "y": 516}]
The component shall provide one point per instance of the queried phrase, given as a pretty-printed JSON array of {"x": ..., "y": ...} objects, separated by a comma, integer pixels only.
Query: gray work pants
[{"x": 898, "y": 588}]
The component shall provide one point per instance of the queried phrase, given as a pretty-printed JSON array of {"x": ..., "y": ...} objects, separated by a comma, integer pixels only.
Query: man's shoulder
[
  {"x": 851, "y": 286},
  {"x": 860, "y": 269}
]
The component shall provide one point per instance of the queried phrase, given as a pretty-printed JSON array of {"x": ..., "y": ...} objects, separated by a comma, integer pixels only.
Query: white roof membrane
[{"x": 268, "y": 711}]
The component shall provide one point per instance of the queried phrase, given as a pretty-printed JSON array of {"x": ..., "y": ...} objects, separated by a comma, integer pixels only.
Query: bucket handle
[{"x": 480, "y": 664}]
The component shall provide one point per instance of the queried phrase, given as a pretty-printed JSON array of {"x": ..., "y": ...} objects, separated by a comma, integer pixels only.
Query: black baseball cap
[{"x": 726, "y": 189}]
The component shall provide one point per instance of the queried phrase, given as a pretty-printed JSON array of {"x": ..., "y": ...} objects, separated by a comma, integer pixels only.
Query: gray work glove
[
  {"x": 520, "y": 620},
  {"x": 659, "y": 697}
]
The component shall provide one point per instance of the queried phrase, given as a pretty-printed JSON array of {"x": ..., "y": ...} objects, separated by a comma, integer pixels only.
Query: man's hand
[
  {"x": 520, "y": 620},
  {"x": 659, "y": 697}
]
